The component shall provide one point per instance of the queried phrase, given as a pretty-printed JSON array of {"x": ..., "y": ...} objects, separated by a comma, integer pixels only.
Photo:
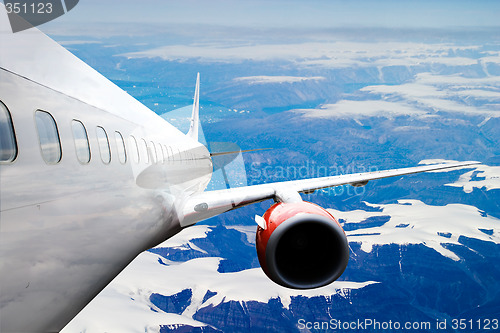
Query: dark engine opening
[{"x": 311, "y": 254}]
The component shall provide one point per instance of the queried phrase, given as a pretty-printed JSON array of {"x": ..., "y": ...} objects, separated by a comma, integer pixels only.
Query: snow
[
  {"x": 414, "y": 222},
  {"x": 359, "y": 109},
  {"x": 444, "y": 93},
  {"x": 424, "y": 97},
  {"x": 491, "y": 175},
  {"x": 124, "y": 305},
  {"x": 249, "y": 231},
  {"x": 182, "y": 240},
  {"x": 411, "y": 222},
  {"x": 128, "y": 294}
]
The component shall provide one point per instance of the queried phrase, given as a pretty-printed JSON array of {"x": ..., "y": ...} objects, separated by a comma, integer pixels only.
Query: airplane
[{"x": 90, "y": 178}]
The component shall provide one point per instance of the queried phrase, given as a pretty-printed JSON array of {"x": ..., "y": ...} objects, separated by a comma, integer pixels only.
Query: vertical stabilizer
[{"x": 195, "y": 116}]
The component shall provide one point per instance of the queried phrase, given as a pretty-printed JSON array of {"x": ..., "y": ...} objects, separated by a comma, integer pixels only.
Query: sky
[{"x": 279, "y": 14}]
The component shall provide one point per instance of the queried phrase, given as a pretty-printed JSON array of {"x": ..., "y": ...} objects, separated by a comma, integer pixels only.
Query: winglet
[{"x": 195, "y": 116}]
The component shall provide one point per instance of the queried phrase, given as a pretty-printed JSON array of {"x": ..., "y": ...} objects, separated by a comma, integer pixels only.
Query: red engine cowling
[{"x": 302, "y": 247}]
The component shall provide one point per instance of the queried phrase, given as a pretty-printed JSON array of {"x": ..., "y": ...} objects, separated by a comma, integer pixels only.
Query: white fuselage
[
  {"x": 90, "y": 178},
  {"x": 67, "y": 228}
]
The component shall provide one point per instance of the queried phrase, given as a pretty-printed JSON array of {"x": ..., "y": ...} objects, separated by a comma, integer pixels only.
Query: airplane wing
[{"x": 212, "y": 203}]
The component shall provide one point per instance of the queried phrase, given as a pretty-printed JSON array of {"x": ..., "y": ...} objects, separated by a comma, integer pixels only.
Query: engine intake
[{"x": 302, "y": 247}]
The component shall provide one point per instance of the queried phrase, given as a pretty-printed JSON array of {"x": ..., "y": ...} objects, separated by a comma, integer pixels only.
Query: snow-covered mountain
[
  {"x": 399, "y": 251},
  {"x": 424, "y": 248}
]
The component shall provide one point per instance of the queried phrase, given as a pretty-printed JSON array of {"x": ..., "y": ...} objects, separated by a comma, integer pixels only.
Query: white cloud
[
  {"x": 263, "y": 79},
  {"x": 78, "y": 42},
  {"x": 323, "y": 54}
]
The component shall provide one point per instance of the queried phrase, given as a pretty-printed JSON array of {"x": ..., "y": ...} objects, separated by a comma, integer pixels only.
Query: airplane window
[
  {"x": 122, "y": 155},
  {"x": 144, "y": 151},
  {"x": 172, "y": 154},
  {"x": 162, "y": 153},
  {"x": 167, "y": 154},
  {"x": 102, "y": 138},
  {"x": 8, "y": 147},
  {"x": 81, "y": 141},
  {"x": 48, "y": 136},
  {"x": 134, "y": 148},
  {"x": 154, "y": 157}
]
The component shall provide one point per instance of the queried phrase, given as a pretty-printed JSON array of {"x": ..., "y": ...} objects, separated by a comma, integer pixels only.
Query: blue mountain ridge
[{"x": 414, "y": 282}]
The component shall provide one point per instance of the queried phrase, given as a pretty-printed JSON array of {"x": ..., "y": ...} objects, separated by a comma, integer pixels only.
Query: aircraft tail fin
[{"x": 195, "y": 116}]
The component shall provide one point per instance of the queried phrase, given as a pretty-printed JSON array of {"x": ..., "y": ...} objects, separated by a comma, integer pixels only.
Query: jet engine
[{"x": 302, "y": 245}]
